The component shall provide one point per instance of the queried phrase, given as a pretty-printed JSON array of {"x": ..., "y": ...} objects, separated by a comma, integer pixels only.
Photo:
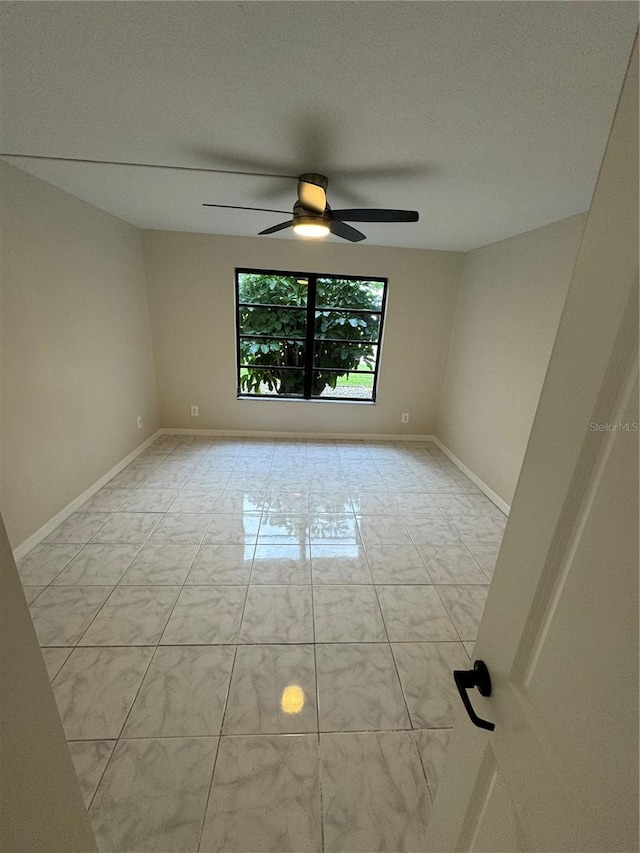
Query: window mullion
[{"x": 311, "y": 327}]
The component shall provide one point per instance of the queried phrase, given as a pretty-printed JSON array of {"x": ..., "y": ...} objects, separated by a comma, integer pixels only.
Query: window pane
[
  {"x": 345, "y": 326},
  {"x": 352, "y": 386},
  {"x": 267, "y": 351},
  {"x": 349, "y": 293},
  {"x": 272, "y": 289},
  {"x": 276, "y": 322},
  {"x": 349, "y": 356},
  {"x": 274, "y": 381}
]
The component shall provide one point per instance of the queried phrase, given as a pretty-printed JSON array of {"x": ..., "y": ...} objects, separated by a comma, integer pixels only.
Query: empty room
[{"x": 319, "y": 427}]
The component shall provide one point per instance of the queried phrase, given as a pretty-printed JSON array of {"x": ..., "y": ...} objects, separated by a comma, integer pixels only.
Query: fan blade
[
  {"x": 143, "y": 165},
  {"x": 275, "y": 228},
  {"x": 312, "y": 192},
  {"x": 375, "y": 215},
  {"x": 237, "y": 207},
  {"x": 341, "y": 229}
]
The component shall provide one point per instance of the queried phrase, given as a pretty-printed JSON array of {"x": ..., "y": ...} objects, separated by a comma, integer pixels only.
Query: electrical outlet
[
  {"x": 139, "y": 421},
  {"x": 405, "y": 418},
  {"x": 195, "y": 411}
]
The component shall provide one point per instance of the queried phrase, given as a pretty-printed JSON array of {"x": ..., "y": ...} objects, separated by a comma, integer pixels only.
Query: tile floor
[{"x": 251, "y": 642}]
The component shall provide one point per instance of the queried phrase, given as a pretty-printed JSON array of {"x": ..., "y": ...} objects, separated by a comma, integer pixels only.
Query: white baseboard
[
  {"x": 345, "y": 436},
  {"x": 37, "y": 537},
  {"x": 493, "y": 497}
]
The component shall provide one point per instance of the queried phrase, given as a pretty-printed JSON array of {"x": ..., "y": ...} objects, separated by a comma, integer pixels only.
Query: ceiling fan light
[{"x": 310, "y": 226}]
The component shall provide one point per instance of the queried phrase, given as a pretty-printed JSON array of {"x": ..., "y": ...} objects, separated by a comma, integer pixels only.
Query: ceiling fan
[{"x": 313, "y": 217}]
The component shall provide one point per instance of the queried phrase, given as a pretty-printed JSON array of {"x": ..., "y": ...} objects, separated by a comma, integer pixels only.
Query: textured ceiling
[{"x": 489, "y": 118}]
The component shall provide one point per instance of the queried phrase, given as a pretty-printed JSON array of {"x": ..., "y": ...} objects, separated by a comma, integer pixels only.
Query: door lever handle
[{"x": 478, "y": 677}]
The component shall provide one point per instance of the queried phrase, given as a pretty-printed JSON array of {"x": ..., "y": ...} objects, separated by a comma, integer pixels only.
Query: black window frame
[{"x": 310, "y": 338}]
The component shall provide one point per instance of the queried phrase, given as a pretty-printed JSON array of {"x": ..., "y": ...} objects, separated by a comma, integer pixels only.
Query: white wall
[
  {"x": 77, "y": 360},
  {"x": 191, "y": 297},
  {"x": 509, "y": 305}
]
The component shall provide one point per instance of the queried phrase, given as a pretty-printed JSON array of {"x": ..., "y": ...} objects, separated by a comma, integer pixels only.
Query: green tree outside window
[{"x": 274, "y": 312}]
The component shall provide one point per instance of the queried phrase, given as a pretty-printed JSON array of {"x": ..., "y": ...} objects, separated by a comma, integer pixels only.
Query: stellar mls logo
[{"x": 626, "y": 426}]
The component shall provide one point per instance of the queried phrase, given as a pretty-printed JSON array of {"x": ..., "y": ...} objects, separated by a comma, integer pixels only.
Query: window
[{"x": 307, "y": 335}]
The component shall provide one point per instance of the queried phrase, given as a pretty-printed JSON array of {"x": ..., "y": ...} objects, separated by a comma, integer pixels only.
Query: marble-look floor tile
[
  {"x": 181, "y": 527},
  {"x": 465, "y": 605},
  {"x": 326, "y": 481},
  {"x": 365, "y": 482},
  {"x": 161, "y": 563},
  {"x": 283, "y": 528},
  {"x": 223, "y": 564},
  {"x": 79, "y": 528},
  {"x": 205, "y": 615},
  {"x": 289, "y": 499},
  {"x": 451, "y": 564},
  {"x": 90, "y": 757},
  {"x": 414, "y": 613},
  {"x": 106, "y": 500},
  {"x": 333, "y": 528},
  {"x": 54, "y": 659},
  {"x": 163, "y": 478},
  {"x": 150, "y": 500},
  {"x": 277, "y": 614},
  {"x": 478, "y": 529},
  {"x": 330, "y": 501},
  {"x": 408, "y": 503},
  {"x": 242, "y": 528},
  {"x": 265, "y": 796},
  {"x": 95, "y": 689},
  {"x": 375, "y": 797},
  {"x": 358, "y": 688},
  {"x": 458, "y": 505},
  {"x": 128, "y": 528},
  {"x": 431, "y": 530},
  {"x": 273, "y": 691},
  {"x": 32, "y": 592},
  {"x": 347, "y": 614},
  {"x": 241, "y": 500},
  {"x": 153, "y": 795},
  {"x": 183, "y": 693},
  {"x": 486, "y": 556},
  {"x": 339, "y": 564},
  {"x": 433, "y": 745},
  {"x": 402, "y": 482},
  {"x": 469, "y": 649},
  {"x": 61, "y": 614},
  {"x": 372, "y": 503},
  {"x": 440, "y": 483},
  {"x": 293, "y": 478},
  {"x": 396, "y": 564},
  {"x": 196, "y": 500},
  {"x": 426, "y": 675},
  {"x": 44, "y": 562},
  {"x": 206, "y": 477},
  {"x": 281, "y": 564},
  {"x": 382, "y": 530},
  {"x": 133, "y": 616},
  {"x": 129, "y": 478},
  {"x": 100, "y": 565}
]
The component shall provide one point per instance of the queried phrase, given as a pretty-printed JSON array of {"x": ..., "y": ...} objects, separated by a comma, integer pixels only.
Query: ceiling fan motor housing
[
  {"x": 302, "y": 216},
  {"x": 314, "y": 178}
]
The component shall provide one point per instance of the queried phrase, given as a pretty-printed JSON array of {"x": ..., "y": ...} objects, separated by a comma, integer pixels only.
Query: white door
[{"x": 560, "y": 630}]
